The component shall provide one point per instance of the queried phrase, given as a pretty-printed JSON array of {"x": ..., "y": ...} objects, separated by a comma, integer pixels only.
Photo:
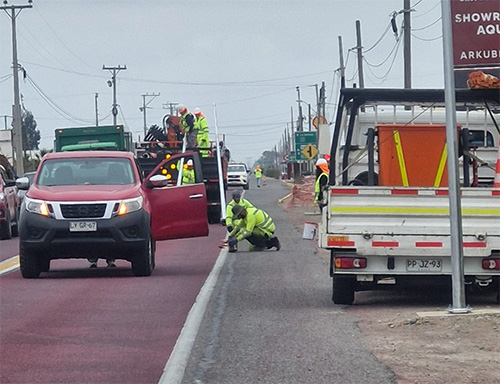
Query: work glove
[
  {"x": 229, "y": 228},
  {"x": 232, "y": 241}
]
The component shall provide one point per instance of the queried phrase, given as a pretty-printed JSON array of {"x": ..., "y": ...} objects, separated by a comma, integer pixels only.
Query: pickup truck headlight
[
  {"x": 39, "y": 207},
  {"x": 127, "y": 206}
]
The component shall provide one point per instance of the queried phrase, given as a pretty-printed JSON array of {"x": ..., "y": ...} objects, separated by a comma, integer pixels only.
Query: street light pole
[
  {"x": 17, "y": 133},
  {"x": 114, "y": 71}
]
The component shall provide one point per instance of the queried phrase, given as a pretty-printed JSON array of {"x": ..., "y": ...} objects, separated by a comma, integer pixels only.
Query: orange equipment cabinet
[{"x": 412, "y": 155}]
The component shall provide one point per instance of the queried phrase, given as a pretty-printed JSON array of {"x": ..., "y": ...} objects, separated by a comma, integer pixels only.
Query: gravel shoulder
[{"x": 412, "y": 332}]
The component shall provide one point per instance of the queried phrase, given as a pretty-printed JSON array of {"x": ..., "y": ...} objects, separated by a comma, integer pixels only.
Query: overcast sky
[{"x": 244, "y": 56}]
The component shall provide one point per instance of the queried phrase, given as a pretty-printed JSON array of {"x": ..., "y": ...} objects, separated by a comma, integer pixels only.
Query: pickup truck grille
[{"x": 81, "y": 211}]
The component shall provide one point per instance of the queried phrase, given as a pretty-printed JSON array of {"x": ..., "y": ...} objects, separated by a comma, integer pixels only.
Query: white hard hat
[
  {"x": 189, "y": 163},
  {"x": 197, "y": 111},
  {"x": 321, "y": 161}
]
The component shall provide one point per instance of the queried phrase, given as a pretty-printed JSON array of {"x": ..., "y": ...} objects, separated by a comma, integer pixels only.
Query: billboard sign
[{"x": 476, "y": 43}]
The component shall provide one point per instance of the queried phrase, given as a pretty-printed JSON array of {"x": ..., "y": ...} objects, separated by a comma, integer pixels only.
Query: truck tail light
[
  {"x": 350, "y": 262},
  {"x": 491, "y": 264}
]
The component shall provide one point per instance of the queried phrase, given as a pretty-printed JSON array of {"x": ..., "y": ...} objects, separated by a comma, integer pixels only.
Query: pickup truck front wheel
[
  {"x": 144, "y": 263},
  {"x": 343, "y": 290},
  {"x": 29, "y": 264}
]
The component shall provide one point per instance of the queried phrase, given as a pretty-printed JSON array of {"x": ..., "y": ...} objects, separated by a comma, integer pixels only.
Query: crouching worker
[{"x": 256, "y": 226}]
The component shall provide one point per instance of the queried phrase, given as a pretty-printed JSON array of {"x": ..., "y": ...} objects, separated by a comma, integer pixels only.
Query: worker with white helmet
[
  {"x": 202, "y": 139},
  {"x": 322, "y": 174},
  {"x": 188, "y": 176},
  {"x": 188, "y": 122}
]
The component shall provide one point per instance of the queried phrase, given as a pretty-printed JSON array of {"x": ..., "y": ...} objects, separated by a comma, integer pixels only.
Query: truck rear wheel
[
  {"x": 343, "y": 290},
  {"x": 30, "y": 265},
  {"x": 144, "y": 263}
]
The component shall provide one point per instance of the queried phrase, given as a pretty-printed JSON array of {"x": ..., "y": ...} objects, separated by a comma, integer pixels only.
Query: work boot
[
  {"x": 276, "y": 243},
  {"x": 233, "y": 248}
]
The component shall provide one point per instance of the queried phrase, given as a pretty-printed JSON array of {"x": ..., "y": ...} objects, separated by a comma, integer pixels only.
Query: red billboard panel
[{"x": 476, "y": 43}]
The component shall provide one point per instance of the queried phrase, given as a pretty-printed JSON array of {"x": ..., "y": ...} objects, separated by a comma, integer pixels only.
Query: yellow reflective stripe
[
  {"x": 442, "y": 164},
  {"x": 423, "y": 210},
  {"x": 401, "y": 159},
  {"x": 267, "y": 221}
]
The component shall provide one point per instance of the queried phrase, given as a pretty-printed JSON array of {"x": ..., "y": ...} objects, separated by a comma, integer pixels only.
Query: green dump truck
[{"x": 109, "y": 137}]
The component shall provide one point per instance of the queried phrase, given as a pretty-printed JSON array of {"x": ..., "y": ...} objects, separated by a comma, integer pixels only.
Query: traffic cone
[
  {"x": 264, "y": 180},
  {"x": 496, "y": 183}
]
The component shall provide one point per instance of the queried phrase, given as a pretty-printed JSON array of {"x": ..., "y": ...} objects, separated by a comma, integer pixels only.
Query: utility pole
[
  {"x": 342, "y": 68},
  {"x": 170, "y": 106},
  {"x": 407, "y": 43},
  {"x": 112, "y": 83},
  {"x": 96, "y": 110},
  {"x": 17, "y": 133},
  {"x": 145, "y": 106},
  {"x": 359, "y": 49},
  {"x": 299, "y": 126}
]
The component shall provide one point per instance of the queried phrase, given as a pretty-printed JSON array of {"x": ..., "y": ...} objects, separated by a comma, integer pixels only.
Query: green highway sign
[{"x": 305, "y": 145}]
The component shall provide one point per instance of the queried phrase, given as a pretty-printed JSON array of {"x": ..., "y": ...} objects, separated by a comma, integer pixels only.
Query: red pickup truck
[{"x": 96, "y": 204}]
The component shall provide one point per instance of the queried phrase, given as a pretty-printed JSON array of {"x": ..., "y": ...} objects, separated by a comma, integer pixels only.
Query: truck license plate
[
  {"x": 416, "y": 265},
  {"x": 82, "y": 226}
]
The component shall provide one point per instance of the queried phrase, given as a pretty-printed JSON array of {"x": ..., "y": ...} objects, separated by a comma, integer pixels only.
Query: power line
[
  {"x": 52, "y": 104},
  {"x": 423, "y": 39},
  {"x": 427, "y": 26}
]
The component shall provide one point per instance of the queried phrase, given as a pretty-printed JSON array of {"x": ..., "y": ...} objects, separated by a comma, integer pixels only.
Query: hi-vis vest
[{"x": 256, "y": 218}]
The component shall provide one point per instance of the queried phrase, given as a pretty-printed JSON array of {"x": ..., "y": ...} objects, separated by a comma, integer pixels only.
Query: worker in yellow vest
[
  {"x": 258, "y": 175},
  {"x": 255, "y": 226},
  {"x": 322, "y": 174},
  {"x": 188, "y": 122},
  {"x": 203, "y": 142}
]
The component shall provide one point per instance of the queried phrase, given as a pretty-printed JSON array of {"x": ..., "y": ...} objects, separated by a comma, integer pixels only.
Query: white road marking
[
  {"x": 173, "y": 372},
  {"x": 9, "y": 265}
]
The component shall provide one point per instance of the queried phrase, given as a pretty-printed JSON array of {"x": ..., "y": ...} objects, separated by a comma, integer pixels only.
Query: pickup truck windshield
[
  {"x": 236, "y": 168},
  {"x": 90, "y": 171}
]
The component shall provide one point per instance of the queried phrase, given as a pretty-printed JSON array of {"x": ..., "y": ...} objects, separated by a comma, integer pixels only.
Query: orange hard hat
[{"x": 182, "y": 109}]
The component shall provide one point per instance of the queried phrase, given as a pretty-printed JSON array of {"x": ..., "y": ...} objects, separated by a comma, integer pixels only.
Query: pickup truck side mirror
[
  {"x": 157, "y": 181},
  {"x": 22, "y": 183}
]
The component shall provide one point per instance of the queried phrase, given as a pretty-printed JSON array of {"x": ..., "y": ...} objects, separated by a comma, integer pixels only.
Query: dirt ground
[{"x": 413, "y": 333}]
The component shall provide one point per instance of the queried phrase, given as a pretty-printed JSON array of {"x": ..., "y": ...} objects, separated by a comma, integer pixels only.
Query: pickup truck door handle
[{"x": 197, "y": 196}]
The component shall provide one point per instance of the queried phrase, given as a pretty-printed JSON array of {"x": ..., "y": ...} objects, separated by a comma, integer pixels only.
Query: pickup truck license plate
[
  {"x": 82, "y": 226},
  {"x": 417, "y": 265}
]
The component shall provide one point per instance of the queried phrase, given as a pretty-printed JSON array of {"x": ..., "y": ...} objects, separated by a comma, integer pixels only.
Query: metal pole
[
  {"x": 144, "y": 114},
  {"x": 359, "y": 49},
  {"x": 299, "y": 126},
  {"x": 219, "y": 169},
  {"x": 407, "y": 43},
  {"x": 17, "y": 133},
  {"x": 457, "y": 256},
  {"x": 342, "y": 69},
  {"x": 96, "y": 110},
  {"x": 114, "y": 71}
]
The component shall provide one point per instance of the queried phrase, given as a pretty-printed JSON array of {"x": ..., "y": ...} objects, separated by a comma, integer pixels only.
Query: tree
[{"x": 31, "y": 135}]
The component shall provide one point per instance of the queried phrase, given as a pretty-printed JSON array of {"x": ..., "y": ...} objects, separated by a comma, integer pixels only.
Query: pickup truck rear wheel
[
  {"x": 144, "y": 263},
  {"x": 343, "y": 290},
  {"x": 30, "y": 265}
]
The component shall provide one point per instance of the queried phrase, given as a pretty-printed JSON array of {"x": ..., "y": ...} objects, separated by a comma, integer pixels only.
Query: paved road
[
  {"x": 81, "y": 325},
  {"x": 271, "y": 318}
]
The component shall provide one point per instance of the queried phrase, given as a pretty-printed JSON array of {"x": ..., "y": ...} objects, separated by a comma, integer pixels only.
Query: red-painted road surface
[{"x": 81, "y": 325}]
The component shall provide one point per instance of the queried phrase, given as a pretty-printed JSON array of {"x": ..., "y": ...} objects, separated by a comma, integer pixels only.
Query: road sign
[
  {"x": 319, "y": 120},
  {"x": 310, "y": 151},
  {"x": 302, "y": 139}
]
